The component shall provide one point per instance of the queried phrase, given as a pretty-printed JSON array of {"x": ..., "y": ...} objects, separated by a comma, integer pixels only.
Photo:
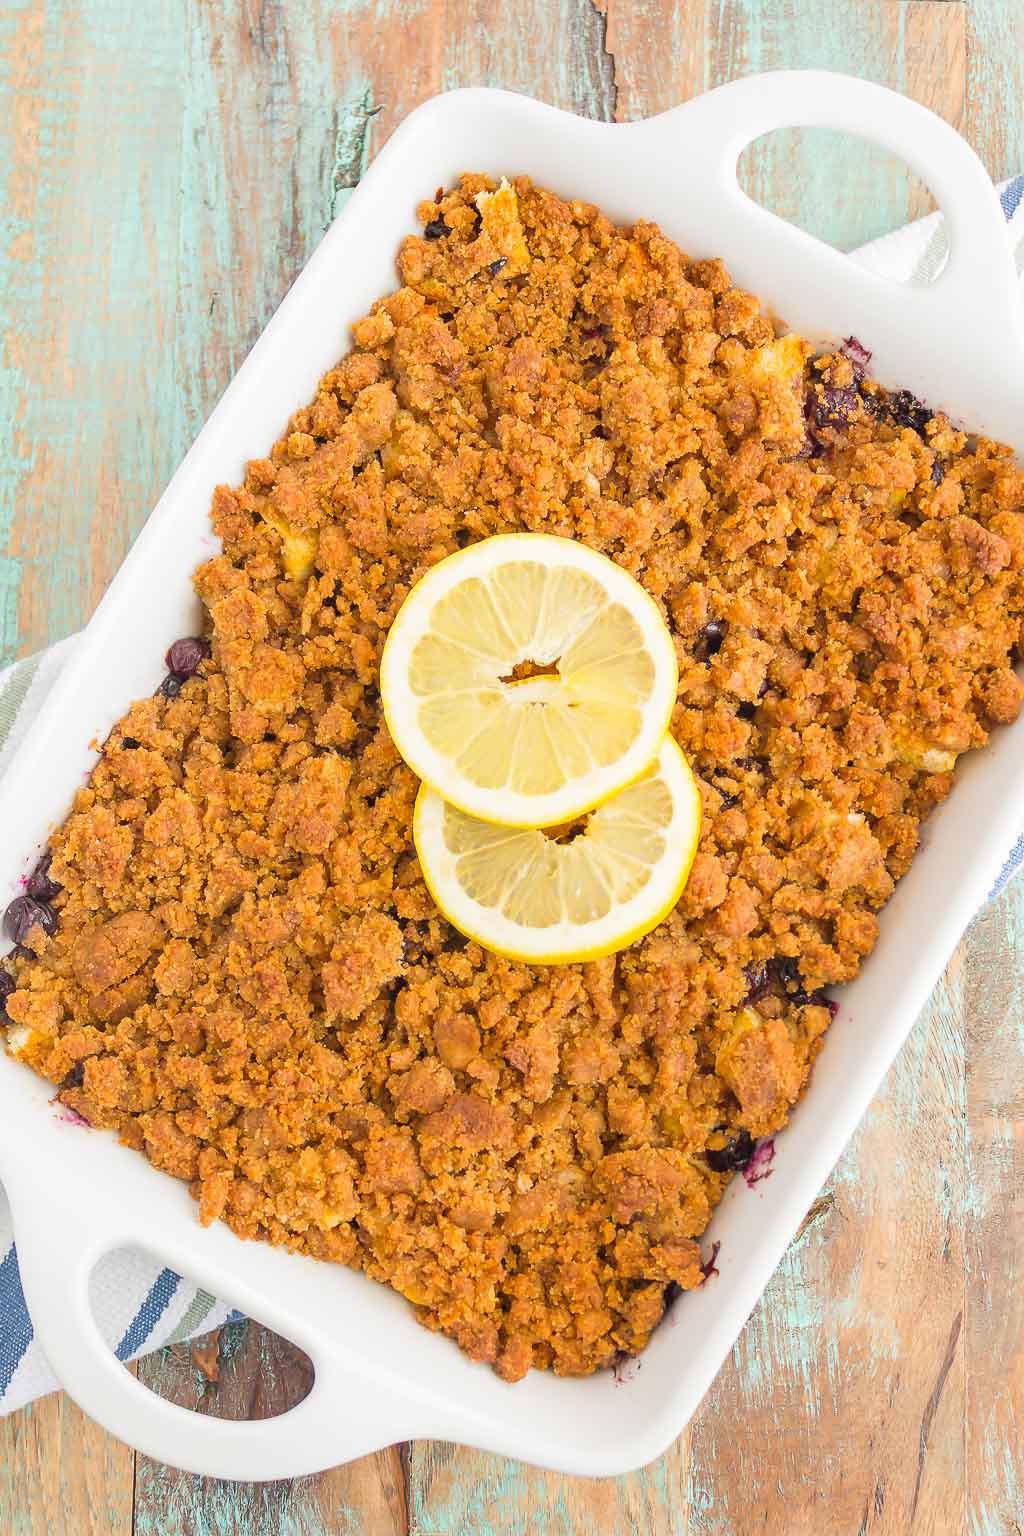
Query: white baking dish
[{"x": 75, "y": 1194}]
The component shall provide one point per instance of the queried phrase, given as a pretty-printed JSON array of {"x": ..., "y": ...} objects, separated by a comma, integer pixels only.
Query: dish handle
[
  {"x": 345, "y": 1414},
  {"x": 976, "y": 295}
]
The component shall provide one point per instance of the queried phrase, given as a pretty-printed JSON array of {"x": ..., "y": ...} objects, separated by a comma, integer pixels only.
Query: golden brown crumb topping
[{"x": 247, "y": 978}]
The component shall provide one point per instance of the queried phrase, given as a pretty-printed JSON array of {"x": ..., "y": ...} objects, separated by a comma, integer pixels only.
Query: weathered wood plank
[
  {"x": 86, "y": 301},
  {"x": 838, "y": 187},
  {"x": 784, "y": 1387},
  {"x": 224, "y": 139},
  {"x": 932, "y": 37},
  {"x": 59, "y": 1472},
  {"x": 993, "y": 120},
  {"x": 850, "y": 1347},
  {"x": 994, "y": 1256},
  {"x": 659, "y": 53},
  {"x": 454, "y": 1492},
  {"x": 552, "y": 49},
  {"x": 822, "y": 1412},
  {"x": 259, "y": 1376}
]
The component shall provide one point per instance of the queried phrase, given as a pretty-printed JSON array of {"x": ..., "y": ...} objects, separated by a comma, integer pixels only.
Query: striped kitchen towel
[{"x": 138, "y": 1305}]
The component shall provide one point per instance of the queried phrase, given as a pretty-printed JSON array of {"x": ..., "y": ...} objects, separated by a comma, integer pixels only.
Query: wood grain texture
[
  {"x": 453, "y": 1490},
  {"x": 59, "y": 1472},
  {"x": 993, "y": 121},
  {"x": 994, "y": 1247},
  {"x": 167, "y": 170},
  {"x": 259, "y": 1376},
  {"x": 848, "y": 1347}
]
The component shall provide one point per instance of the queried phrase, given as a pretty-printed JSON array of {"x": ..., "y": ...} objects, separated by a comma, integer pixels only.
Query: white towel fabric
[{"x": 138, "y": 1305}]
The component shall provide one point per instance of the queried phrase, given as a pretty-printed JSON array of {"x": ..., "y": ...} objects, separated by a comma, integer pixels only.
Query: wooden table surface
[{"x": 169, "y": 166}]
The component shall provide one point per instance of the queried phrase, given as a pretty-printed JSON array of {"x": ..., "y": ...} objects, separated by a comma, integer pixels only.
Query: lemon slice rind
[
  {"x": 522, "y": 867},
  {"x": 452, "y": 709}
]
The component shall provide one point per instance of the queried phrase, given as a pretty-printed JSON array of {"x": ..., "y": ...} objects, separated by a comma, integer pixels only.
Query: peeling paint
[{"x": 351, "y": 147}]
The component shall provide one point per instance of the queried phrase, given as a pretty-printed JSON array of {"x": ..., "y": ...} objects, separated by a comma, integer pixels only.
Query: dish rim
[{"x": 393, "y": 1404}]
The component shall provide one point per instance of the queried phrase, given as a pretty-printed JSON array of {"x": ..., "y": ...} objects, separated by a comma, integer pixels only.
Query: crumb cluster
[{"x": 230, "y": 958}]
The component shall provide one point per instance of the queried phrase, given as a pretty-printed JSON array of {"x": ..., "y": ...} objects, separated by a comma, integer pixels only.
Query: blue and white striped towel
[{"x": 138, "y": 1305}]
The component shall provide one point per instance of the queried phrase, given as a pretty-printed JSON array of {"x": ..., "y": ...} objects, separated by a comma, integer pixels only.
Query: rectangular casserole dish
[{"x": 74, "y": 1196}]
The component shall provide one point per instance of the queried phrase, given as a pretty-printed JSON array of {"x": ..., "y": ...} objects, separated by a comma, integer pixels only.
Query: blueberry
[
  {"x": 728, "y": 799},
  {"x": 787, "y": 971},
  {"x": 760, "y": 1165},
  {"x": 496, "y": 266},
  {"x": 75, "y": 1078},
  {"x": 436, "y": 230},
  {"x": 734, "y": 1155},
  {"x": 710, "y": 1266},
  {"x": 908, "y": 411},
  {"x": 775, "y": 978},
  {"x": 819, "y": 999},
  {"x": 938, "y": 473},
  {"x": 184, "y": 656},
  {"x": 759, "y": 982},
  {"x": 39, "y": 884},
  {"x": 709, "y": 639},
  {"x": 811, "y": 448},
  {"x": 129, "y": 744},
  {"x": 857, "y": 353},
  {"x": 746, "y": 710},
  {"x": 170, "y": 687},
  {"x": 26, "y": 913},
  {"x": 902, "y": 409},
  {"x": 7, "y": 986},
  {"x": 832, "y": 405}
]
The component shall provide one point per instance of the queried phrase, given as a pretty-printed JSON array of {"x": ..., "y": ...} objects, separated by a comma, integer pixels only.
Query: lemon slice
[
  {"x": 523, "y": 894},
  {"x": 528, "y": 751}
]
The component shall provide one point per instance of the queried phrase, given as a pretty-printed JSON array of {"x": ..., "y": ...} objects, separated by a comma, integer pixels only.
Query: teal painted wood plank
[
  {"x": 993, "y": 119},
  {"x": 172, "y": 168},
  {"x": 258, "y": 1375},
  {"x": 282, "y": 105},
  {"x": 459, "y": 1493},
  {"x": 555, "y": 50},
  {"x": 994, "y": 1273},
  {"x": 846, "y": 1346},
  {"x": 84, "y": 290},
  {"x": 840, "y": 188},
  {"x": 62, "y": 1475},
  {"x": 837, "y": 187}
]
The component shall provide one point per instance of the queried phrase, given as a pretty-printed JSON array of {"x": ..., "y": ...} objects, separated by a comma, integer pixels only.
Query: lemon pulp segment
[
  {"x": 528, "y": 750},
  {"x": 524, "y": 894}
]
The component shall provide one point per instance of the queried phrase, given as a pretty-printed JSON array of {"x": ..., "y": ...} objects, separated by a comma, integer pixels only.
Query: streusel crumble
[{"x": 229, "y": 956}]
